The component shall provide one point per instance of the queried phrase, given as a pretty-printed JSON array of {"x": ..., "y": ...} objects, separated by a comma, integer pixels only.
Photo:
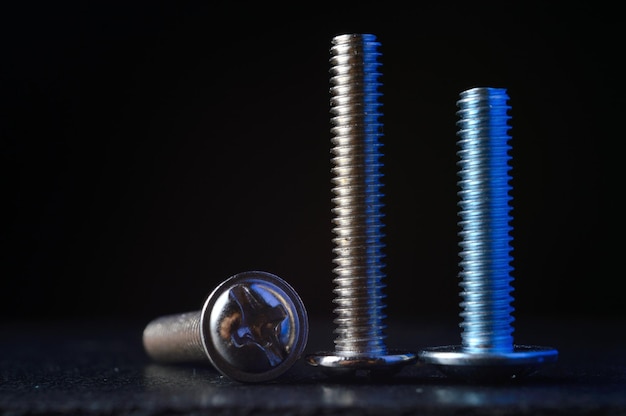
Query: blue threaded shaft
[
  {"x": 357, "y": 202},
  {"x": 485, "y": 221}
]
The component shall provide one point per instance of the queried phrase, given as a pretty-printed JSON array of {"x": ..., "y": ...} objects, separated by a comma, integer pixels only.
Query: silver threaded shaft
[
  {"x": 484, "y": 191},
  {"x": 357, "y": 203},
  {"x": 175, "y": 338}
]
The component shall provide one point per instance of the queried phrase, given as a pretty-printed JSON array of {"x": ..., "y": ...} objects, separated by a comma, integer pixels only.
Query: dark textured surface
[{"x": 101, "y": 369}]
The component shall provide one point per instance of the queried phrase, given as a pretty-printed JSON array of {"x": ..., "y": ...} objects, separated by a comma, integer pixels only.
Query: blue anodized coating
[
  {"x": 485, "y": 220},
  {"x": 487, "y": 350}
]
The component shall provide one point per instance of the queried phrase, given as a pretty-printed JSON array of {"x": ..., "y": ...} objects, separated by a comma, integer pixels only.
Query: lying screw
[
  {"x": 252, "y": 328},
  {"x": 487, "y": 350},
  {"x": 360, "y": 347}
]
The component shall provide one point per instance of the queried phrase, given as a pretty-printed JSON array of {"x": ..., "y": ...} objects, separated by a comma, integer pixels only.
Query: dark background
[{"x": 150, "y": 151}]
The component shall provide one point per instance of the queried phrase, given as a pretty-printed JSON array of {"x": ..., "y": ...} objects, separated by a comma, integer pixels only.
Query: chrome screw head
[
  {"x": 255, "y": 327},
  {"x": 252, "y": 328}
]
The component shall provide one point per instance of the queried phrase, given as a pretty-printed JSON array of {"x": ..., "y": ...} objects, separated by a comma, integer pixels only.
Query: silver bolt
[
  {"x": 252, "y": 328},
  {"x": 487, "y": 351},
  {"x": 359, "y": 347}
]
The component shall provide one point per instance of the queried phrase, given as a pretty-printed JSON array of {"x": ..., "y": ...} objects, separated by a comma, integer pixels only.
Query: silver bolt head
[
  {"x": 361, "y": 365},
  {"x": 455, "y": 362},
  {"x": 254, "y": 327}
]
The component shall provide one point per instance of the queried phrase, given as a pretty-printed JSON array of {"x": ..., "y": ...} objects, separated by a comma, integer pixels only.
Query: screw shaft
[
  {"x": 357, "y": 203},
  {"x": 485, "y": 221},
  {"x": 175, "y": 338}
]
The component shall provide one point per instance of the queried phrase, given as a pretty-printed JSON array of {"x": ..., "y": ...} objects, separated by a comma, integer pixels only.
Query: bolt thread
[
  {"x": 485, "y": 221},
  {"x": 357, "y": 203},
  {"x": 175, "y": 338}
]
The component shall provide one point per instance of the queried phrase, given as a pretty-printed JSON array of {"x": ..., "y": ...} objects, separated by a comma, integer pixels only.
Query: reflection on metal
[
  {"x": 487, "y": 350},
  {"x": 252, "y": 328},
  {"x": 360, "y": 343}
]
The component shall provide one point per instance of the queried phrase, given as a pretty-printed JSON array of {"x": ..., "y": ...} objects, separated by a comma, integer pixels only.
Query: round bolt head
[
  {"x": 455, "y": 362},
  {"x": 359, "y": 365},
  {"x": 254, "y": 327}
]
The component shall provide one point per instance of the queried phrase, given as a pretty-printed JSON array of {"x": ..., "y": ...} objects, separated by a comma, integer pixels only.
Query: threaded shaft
[
  {"x": 357, "y": 203},
  {"x": 484, "y": 191},
  {"x": 175, "y": 338}
]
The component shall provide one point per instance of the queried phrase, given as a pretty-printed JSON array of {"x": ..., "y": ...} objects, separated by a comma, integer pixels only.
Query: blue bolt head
[{"x": 457, "y": 363}]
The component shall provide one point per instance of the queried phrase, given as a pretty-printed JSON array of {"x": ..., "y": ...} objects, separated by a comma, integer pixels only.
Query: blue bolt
[{"x": 487, "y": 350}]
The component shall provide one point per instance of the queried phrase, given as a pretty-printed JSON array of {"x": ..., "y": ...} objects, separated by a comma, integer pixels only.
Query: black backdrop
[{"x": 152, "y": 150}]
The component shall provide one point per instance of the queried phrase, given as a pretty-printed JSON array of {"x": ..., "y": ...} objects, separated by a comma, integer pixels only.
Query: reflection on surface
[
  {"x": 414, "y": 393},
  {"x": 188, "y": 386},
  {"x": 470, "y": 396},
  {"x": 164, "y": 376},
  {"x": 338, "y": 395}
]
